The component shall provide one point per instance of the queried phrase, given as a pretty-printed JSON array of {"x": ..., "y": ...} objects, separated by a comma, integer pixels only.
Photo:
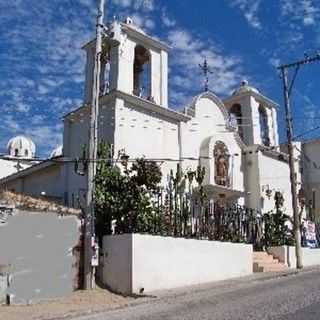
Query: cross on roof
[{"x": 206, "y": 70}]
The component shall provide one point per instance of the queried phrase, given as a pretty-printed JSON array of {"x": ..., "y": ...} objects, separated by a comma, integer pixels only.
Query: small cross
[{"x": 206, "y": 70}]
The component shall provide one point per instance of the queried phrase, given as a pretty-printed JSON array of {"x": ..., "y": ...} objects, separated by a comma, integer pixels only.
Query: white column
[
  {"x": 156, "y": 76},
  {"x": 270, "y": 126},
  {"x": 255, "y": 122},
  {"x": 275, "y": 126},
  {"x": 164, "y": 79}
]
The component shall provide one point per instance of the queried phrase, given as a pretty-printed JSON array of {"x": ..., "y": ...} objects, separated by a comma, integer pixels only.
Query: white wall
[
  {"x": 200, "y": 134},
  {"x": 146, "y": 134},
  {"x": 76, "y": 135},
  {"x": 251, "y": 178},
  {"x": 117, "y": 262},
  {"x": 287, "y": 255},
  {"x": 311, "y": 173},
  {"x": 274, "y": 173},
  {"x": 133, "y": 262},
  {"x": 48, "y": 180},
  {"x": 8, "y": 167}
]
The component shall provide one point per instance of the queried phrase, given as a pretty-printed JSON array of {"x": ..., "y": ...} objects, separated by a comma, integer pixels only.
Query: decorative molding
[
  {"x": 144, "y": 38},
  {"x": 135, "y": 103}
]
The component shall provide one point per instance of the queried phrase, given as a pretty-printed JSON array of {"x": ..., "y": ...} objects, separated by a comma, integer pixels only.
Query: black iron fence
[{"x": 207, "y": 222}]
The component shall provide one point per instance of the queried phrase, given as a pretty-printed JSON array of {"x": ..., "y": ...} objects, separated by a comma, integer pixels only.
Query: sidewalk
[
  {"x": 99, "y": 300},
  {"x": 78, "y": 303}
]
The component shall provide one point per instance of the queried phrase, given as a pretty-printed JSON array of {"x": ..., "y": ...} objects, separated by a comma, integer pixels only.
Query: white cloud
[
  {"x": 42, "y": 89},
  {"x": 183, "y": 40},
  {"x": 274, "y": 61},
  {"x": 149, "y": 23},
  {"x": 138, "y": 20},
  {"x": 45, "y": 137},
  {"x": 22, "y": 107},
  {"x": 122, "y": 3},
  {"x": 309, "y": 112},
  {"x": 10, "y": 123},
  {"x": 187, "y": 79},
  {"x": 250, "y": 9},
  {"x": 46, "y": 68},
  {"x": 145, "y": 5},
  {"x": 141, "y": 12},
  {"x": 37, "y": 119},
  {"x": 303, "y": 11},
  {"x": 166, "y": 20}
]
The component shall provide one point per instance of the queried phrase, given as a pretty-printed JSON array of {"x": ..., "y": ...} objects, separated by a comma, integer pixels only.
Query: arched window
[
  {"x": 26, "y": 153},
  {"x": 264, "y": 127},
  {"x": 16, "y": 152},
  {"x": 236, "y": 118},
  {"x": 221, "y": 164},
  {"x": 142, "y": 73}
]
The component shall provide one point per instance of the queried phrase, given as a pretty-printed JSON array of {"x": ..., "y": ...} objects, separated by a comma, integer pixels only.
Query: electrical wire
[
  {"x": 307, "y": 158},
  {"x": 74, "y": 160},
  {"x": 306, "y": 132}
]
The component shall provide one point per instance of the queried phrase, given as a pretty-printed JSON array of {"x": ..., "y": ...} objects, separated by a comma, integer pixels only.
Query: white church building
[{"x": 235, "y": 139}]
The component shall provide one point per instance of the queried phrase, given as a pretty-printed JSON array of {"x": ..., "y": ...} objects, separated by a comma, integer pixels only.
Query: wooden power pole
[
  {"x": 296, "y": 218},
  {"x": 287, "y": 89},
  {"x": 89, "y": 237}
]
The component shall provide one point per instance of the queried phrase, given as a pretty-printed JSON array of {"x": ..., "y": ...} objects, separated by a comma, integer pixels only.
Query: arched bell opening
[
  {"x": 105, "y": 74},
  {"x": 142, "y": 73},
  {"x": 235, "y": 114},
  {"x": 264, "y": 127}
]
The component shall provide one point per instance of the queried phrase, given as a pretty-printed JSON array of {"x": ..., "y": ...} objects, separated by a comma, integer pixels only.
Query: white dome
[
  {"x": 57, "y": 152},
  {"x": 22, "y": 147},
  {"x": 244, "y": 87}
]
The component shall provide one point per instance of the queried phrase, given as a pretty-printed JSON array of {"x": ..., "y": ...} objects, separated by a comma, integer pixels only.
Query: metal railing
[{"x": 204, "y": 222}]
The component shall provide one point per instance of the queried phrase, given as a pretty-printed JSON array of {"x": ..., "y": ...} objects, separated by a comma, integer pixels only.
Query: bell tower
[
  {"x": 254, "y": 116},
  {"x": 132, "y": 62}
]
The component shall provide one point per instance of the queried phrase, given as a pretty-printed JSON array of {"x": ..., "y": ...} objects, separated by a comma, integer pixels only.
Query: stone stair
[{"x": 264, "y": 262}]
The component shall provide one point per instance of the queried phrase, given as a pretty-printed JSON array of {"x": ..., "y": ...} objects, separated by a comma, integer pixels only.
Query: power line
[
  {"x": 306, "y": 132},
  {"x": 308, "y": 159},
  {"x": 73, "y": 160}
]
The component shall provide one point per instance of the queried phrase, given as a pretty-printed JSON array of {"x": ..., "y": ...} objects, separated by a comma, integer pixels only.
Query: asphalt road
[{"x": 294, "y": 297}]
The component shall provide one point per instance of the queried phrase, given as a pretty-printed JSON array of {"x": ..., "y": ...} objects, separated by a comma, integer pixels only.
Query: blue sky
[{"x": 42, "y": 65}]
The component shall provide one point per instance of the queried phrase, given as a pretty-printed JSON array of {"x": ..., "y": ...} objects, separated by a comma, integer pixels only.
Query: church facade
[{"x": 236, "y": 140}]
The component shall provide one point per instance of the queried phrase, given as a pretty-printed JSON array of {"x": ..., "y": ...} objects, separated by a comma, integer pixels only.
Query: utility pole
[
  {"x": 296, "y": 220},
  {"x": 287, "y": 89},
  {"x": 89, "y": 233}
]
